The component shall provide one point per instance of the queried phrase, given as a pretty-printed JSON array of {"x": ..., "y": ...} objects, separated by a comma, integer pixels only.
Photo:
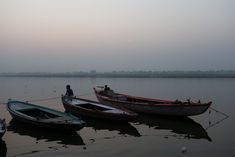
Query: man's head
[{"x": 68, "y": 87}]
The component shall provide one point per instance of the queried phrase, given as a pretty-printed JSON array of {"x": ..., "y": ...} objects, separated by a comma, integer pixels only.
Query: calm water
[{"x": 205, "y": 135}]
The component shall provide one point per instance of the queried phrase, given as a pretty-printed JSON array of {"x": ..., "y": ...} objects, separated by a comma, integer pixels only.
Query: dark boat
[
  {"x": 43, "y": 117},
  {"x": 151, "y": 106},
  {"x": 2, "y": 127},
  {"x": 71, "y": 138},
  {"x": 182, "y": 127},
  {"x": 88, "y": 108}
]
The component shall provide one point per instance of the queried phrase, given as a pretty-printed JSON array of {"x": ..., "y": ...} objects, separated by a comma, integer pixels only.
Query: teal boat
[{"x": 42, "y": 116}]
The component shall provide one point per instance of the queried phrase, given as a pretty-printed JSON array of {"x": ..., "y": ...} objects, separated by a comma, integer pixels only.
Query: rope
[
  {"x": 52, "y": 98},
  {"x": 219, "y": 112},
  {"x": 85, "y": 94},
  {"x": 37, "y": 100},
  {"x": 217, "y": 122}
]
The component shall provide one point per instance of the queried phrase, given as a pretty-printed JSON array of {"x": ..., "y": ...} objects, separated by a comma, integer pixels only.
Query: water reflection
[
  {"x": 71, "y": 138},
  {"x": 124, "y": 128},
  {"x": 3, "y": 149},
  {"x": 182, "y": 126}
]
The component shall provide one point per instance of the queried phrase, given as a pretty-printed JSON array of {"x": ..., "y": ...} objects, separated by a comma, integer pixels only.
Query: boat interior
[
  {"x": 121, "y": 97},
  {"x": 92, "y": 107},
  {"x": 40, "y": 114}
]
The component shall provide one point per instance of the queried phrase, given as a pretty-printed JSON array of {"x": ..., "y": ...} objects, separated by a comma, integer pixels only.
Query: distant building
[{"x": 93, "y": 72}]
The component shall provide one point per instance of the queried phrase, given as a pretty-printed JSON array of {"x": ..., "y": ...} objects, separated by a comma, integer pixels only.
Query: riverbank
[{"x": 129, "y": 74}]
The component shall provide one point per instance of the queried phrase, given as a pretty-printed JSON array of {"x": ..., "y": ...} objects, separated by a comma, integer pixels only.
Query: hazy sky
[{"x": 106, "y": 35}]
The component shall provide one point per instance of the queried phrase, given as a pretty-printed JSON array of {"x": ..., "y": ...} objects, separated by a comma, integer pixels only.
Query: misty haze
[
  {"x": 71, "y": 36},
  {"x": 134, "y": 77}
]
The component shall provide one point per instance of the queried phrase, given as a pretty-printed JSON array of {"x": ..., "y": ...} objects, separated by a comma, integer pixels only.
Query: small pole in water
[{"x": 183, "y": 149}]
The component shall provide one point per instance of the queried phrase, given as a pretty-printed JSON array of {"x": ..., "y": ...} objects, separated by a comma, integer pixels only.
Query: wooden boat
[
  {"x": 43, "y": 116},
  {"x": 88, "y": 108},
  {"x": 151, "y": 106},
  {"x": 2, "y": 127}
]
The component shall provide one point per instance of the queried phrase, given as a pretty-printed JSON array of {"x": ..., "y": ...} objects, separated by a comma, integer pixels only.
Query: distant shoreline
[{"x": 131, "y": 74}]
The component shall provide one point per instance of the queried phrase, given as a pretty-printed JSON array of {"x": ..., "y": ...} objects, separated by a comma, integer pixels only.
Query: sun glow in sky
[{"x": 106, "y": 35}]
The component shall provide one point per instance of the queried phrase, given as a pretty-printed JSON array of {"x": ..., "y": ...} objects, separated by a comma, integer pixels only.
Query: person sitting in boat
[
  {"x": 69, "y": 91},
  {"x": 108, "y": 91},
  {"x": 178, "y": 101},
  {"x": 106, "y": 88},
  {"x": 3, "y": 121}
]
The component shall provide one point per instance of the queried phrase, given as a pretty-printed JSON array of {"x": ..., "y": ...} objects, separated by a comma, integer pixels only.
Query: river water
[{"x": 209, "y": 134}]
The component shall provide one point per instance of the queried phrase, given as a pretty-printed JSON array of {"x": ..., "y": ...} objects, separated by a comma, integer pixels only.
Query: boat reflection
[
  {"x": 182, "y": 126},
  {"x": 3, "y": 149},
  {"x": 71, "y": 138},
  {"x": 124, "y": 128}
]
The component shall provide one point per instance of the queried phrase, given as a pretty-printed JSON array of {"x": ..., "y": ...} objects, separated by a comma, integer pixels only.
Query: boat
[
  {"x": 2, "y": 127},
  {"x": 151, "y": 106},
  {"x": 43, "y": 117},
  {"x": 89, "y": 108}
]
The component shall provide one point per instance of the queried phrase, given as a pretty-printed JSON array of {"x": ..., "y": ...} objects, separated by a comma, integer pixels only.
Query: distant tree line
[{"x": 131, "y": 74}]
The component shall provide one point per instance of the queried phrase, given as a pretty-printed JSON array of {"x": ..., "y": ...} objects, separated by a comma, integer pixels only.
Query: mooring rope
[
  {"x": 219, "y": 112},
  {"x": 58, "y": 97},
  {"x": 45, "y": 99},
  {"x": 215, "y": 123},
  {"x": 85, "y": 94},
  {"x": 51, "y": 98},
  {"x": 219, "y": 121}
]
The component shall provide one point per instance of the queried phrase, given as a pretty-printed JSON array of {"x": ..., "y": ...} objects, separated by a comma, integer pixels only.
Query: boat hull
[
  {"x": 161, "y": 107},
  {"x": 64, "y": 121},
  {"x": 62, "y": 126},
  {"x": 124, "y": 115}
]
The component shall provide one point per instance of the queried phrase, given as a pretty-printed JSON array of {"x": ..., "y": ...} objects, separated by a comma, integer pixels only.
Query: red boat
[{"x": 151, "y": 106}]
